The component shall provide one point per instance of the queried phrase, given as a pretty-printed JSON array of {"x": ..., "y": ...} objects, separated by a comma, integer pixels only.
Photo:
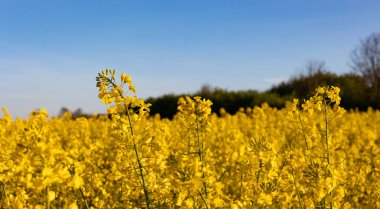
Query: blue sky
[{"x": 51, "y": 51}]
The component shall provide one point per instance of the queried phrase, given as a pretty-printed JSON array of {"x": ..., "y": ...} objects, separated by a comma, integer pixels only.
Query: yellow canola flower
[
  {"x": 76, "y": 182},
  {"x": 265, "y": 199},
  {"x": 18, "y": 204},
  {"x": 46, "y": 172},
  {"x": 180, "y": 198},
  {"x": 72, "y": 206},
  {"x": 218, "y": 202},
  {"x": 333, "y": 94},
  {"x": 6, "y": 116},
  {"x": 189, "y": 202},
  {"x": 51, "y": 196},
  {"x": 339, "y": 193},
  {"x": 320, "y": 90},
  {"x": 234, "y": 206},
  {"x": 126, "y": 79},
  {"x": 132, "y": 88}
]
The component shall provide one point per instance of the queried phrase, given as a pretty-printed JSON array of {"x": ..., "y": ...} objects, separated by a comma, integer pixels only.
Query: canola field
[{"x": 311, "y": 154}]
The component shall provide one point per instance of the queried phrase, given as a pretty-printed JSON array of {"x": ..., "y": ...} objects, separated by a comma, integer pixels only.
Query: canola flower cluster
[{"x": 310, "y": 154}]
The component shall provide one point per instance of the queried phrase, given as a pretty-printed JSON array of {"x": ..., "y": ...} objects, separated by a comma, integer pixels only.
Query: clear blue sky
[{"x": 51, "y": 51}]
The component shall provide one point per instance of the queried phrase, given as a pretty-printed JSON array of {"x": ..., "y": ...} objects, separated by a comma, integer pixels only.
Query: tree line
[{"x": 360, "y": 86}]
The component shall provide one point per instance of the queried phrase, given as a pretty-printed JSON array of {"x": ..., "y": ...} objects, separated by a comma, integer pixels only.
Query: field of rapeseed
[{"x": 311, "y": 154}]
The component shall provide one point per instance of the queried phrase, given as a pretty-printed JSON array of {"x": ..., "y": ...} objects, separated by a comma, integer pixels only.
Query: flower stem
[
  {"x": 84, "y": 198},
  {"x": 47, "y": 198},
  {"x": 146, "y": 192},
  {"x": 200, "y": 149},
  {"x": 141, "y": 171},
  {"x": 327, "y": 145}
]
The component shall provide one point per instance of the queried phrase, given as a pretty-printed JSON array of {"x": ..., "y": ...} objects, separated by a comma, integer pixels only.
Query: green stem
[
  {"x": 200, "y": 149},
  {"x": 279, "y": 174},
  {"x": 241, "y": 186},
  {"x": 303, "y": 131},
  {"x": 84, "y": 198},
  {"x": 3, "y": 194},
  {"x": 373, "y": 167},
  {"x": 203, "y": 199},
  {"x": 47, "y": 198},
  {"x": 146, "y": 192},
  {"x": 259, "y": 173},
  {"x": 120, "y": 199},
  {"x": 327, "y": 145},
  {"x": 298, "y": 193},
  {"x": 327, "y": 135},
  {"x": 278, "y": 205}
]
